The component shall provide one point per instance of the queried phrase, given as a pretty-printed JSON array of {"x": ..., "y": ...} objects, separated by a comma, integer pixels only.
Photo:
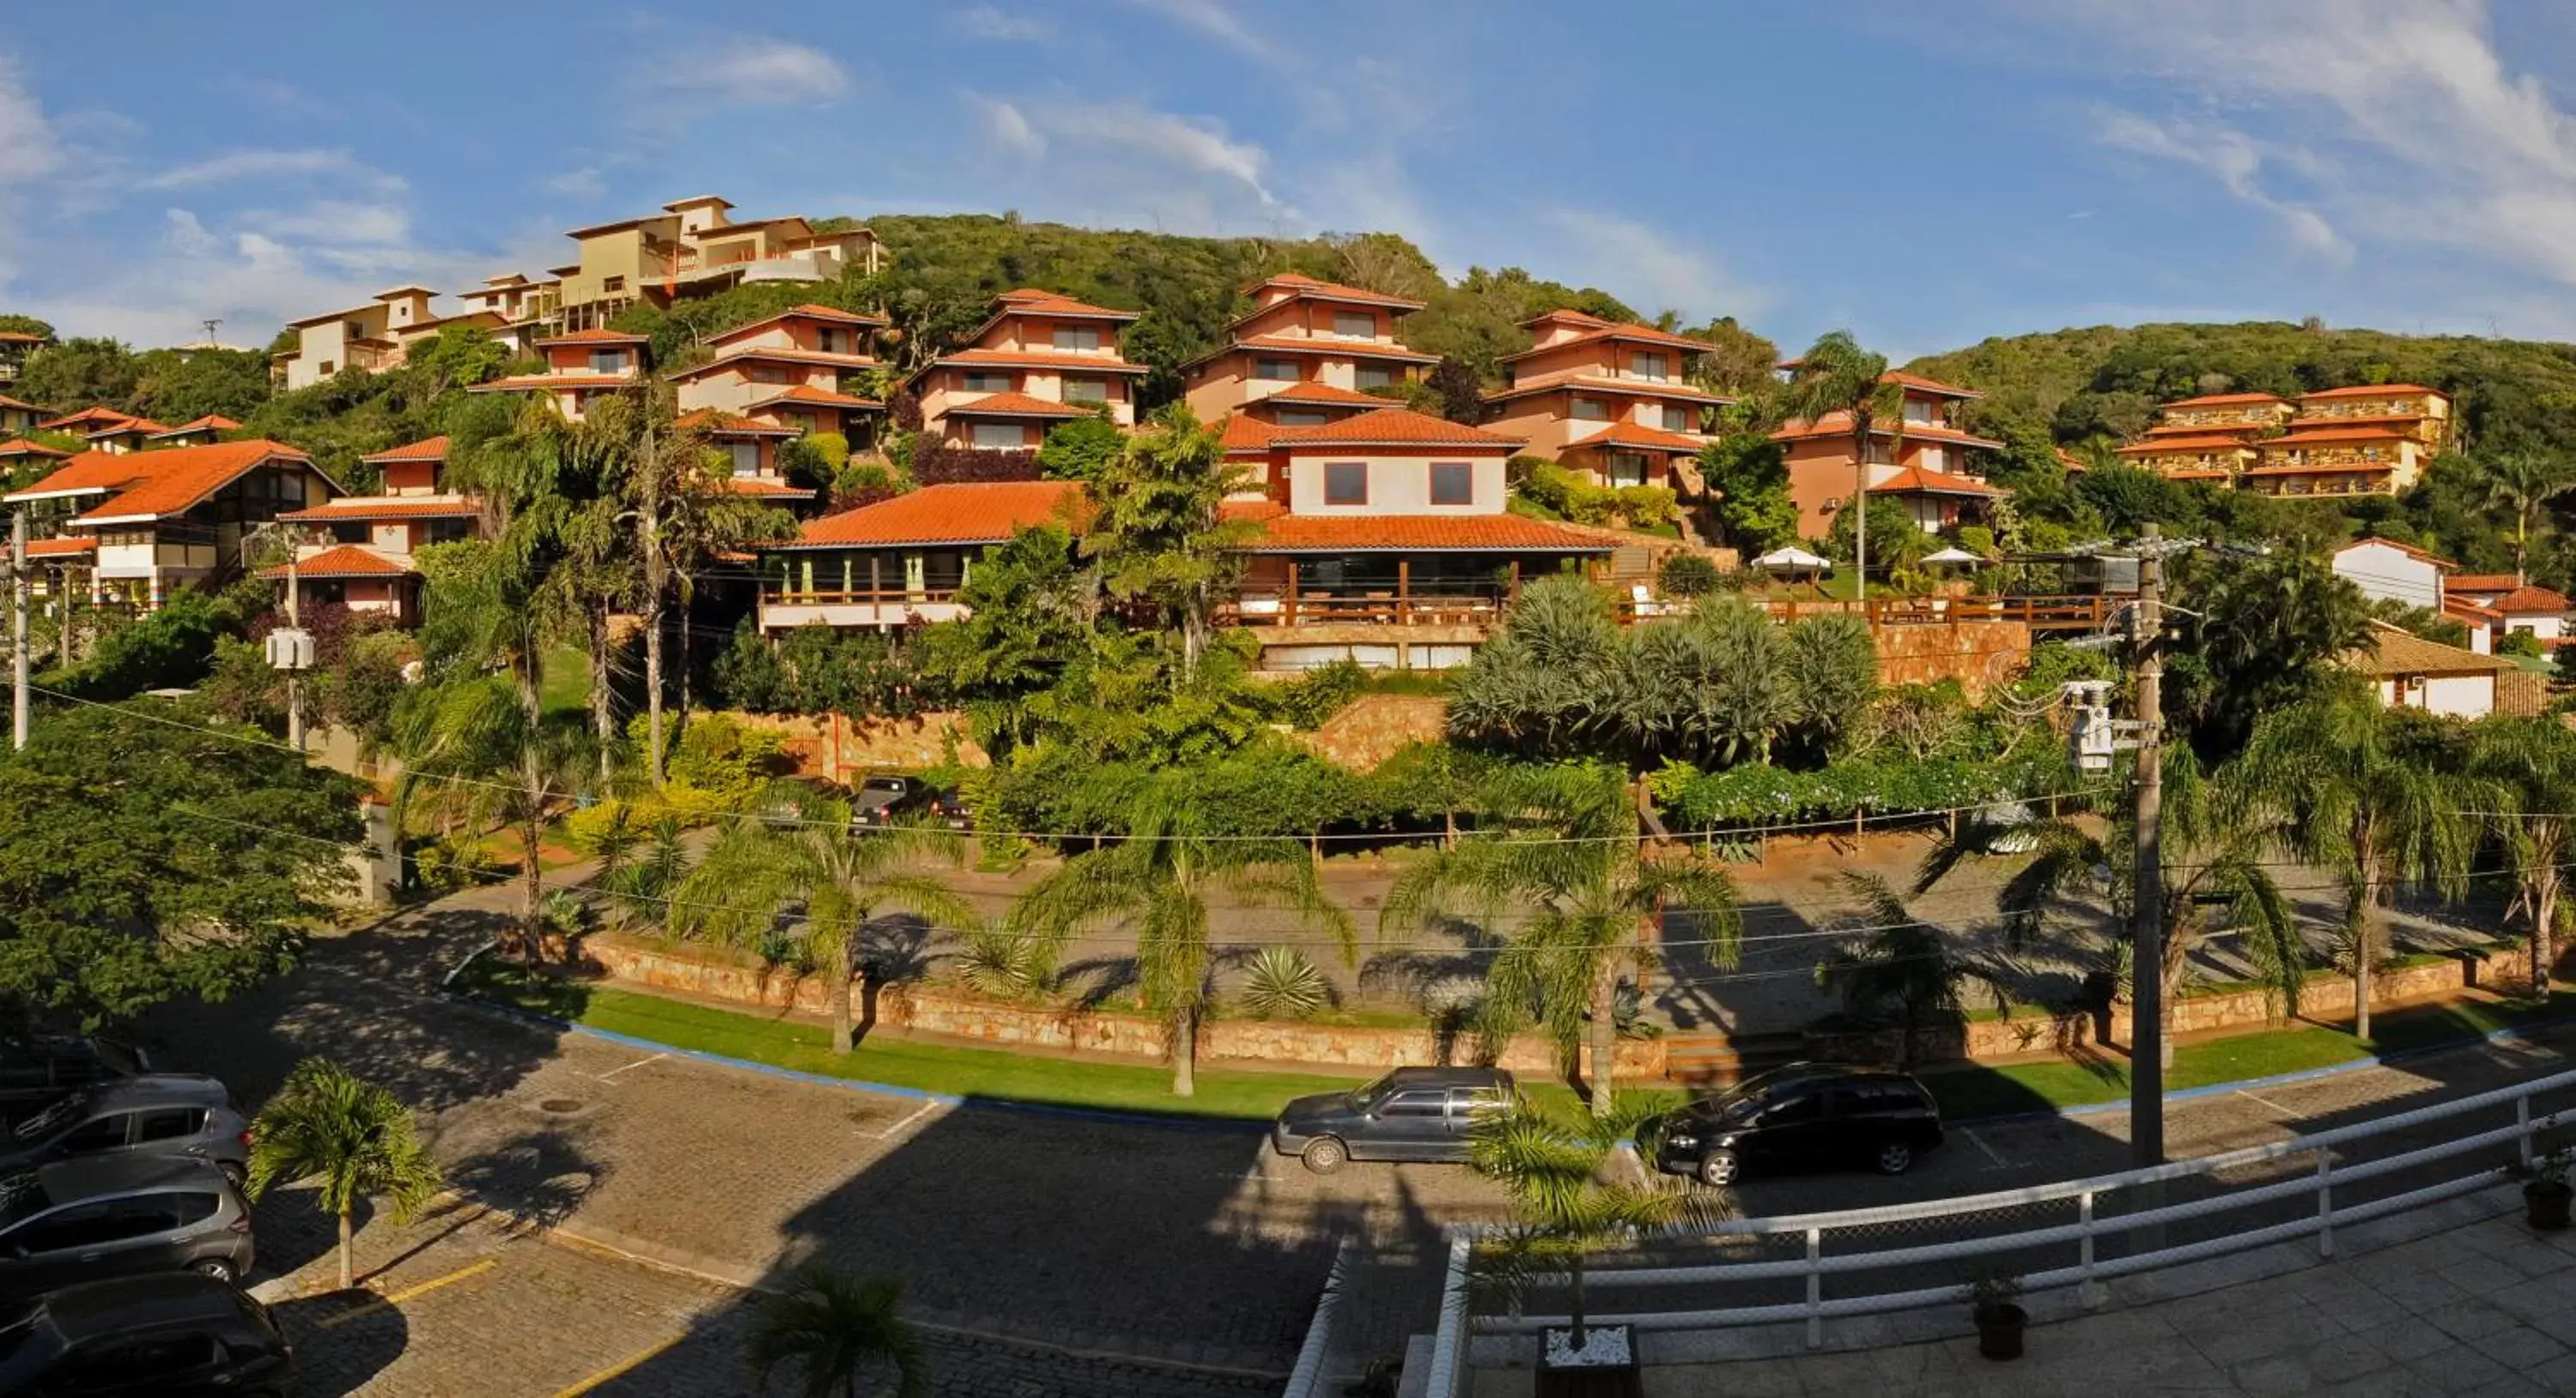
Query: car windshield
[
  {"x": 118, "y": 1057},
  {"x": 21, "y": 1195},
  {"x": 1368, "y": 1097},
  {"x": 53, "y": 1118},
  {"x": 883, "y": 786}
]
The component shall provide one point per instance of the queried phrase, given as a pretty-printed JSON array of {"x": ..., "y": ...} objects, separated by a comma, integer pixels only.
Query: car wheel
[
  {"x": 234, "y": 1175},
  {"x": 1324, "y": 1155},
  {"x": 1717, "y": 1168},
  {"x": 217, "y": 1268},
  {"x": 1895, "y": 1158}
]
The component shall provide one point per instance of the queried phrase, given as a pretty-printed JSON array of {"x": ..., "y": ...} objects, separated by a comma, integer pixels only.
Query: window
[
  {"x": 1369, "y": 376},
  {"x": 169, "y": 1124},
  {"x": 1647, "y": 366},
  {"x": 1627, "y": 468},
  {"x": 113, "y": 1364},
  {"x": 608, "y": 361},
  {"x": 1453, "y": 483},
  {"x": 770, "y": 373},
  {"x": 987, "y": 382},
  {"x": 1077, "y": 337},
  {"x": 1591, "y": 410},
  {"x": 106, "y": 1133},
  {"x": 1086, "y": 390},
  {"x": 1303, "y": 417},
  {"x": 1357, "y": 325},
  {"x": 1785, "y": 1111},
  {"x": 612, "y": 284},
  {"x": 832, "y": 341},
  {"x": 1416, "y": 1103},
  {"x": 329, "y": 368},
  {"x": 746, "y": 458},
  {"x": 1282, "y": 369},
  {"x": 1919, "y": 412},
  {"x": 1346, "y": 483},
  {"x": 999, "y": 436}
]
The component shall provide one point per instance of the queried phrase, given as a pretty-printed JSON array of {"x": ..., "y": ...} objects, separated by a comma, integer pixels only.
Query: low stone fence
[{"x": 718, "y": 974}]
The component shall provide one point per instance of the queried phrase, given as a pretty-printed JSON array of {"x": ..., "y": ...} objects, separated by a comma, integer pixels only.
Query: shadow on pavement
[{"x": 341, "y": 1343}]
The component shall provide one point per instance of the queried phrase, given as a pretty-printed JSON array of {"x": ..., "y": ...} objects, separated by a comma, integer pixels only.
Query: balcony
[
  {"x": 785, "y": 609},
  {"x": 689, "y": 269}
]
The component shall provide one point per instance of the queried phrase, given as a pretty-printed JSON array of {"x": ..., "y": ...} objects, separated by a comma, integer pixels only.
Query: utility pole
[
  {"x": 18, "y": 630},
  {"x": 2148, "y": 1048},
  {"x": 294, "y": 682}
]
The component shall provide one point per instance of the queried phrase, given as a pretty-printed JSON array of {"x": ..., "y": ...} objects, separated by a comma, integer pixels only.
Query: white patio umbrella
[
  {"x": 1953, "y": 555},
  {"x": 1792, "y": 559}
]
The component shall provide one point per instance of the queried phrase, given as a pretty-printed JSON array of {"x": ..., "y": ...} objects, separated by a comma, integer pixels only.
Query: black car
[
  {"x": 887, "y": 798},
  {"x": 1804, "y": 1116},
  {"x": 38, "y": 1070},
  {"x": 173, "y": 1334},
  {"x": 86, "y": 1219},
  {"x": 1410, "y": 1114},
  {"x": 155, "y": 1114}
]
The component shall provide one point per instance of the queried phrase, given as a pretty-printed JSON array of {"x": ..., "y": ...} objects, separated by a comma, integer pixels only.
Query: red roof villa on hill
[
  {"x": 1935, "y": 471},
  {"x": 133, "y": 526}
]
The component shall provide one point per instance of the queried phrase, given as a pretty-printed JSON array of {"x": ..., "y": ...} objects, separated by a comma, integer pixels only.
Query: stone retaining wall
[{"x": 716, "y": 974}]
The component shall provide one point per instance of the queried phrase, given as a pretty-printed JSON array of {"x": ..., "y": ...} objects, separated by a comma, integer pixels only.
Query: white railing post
[
  {"x": 1307, "y": 1379},
  {"x": 2090, "y": 1292},
  {"x": 2522, "y": 1124},
  {"x": 2325, "y": 1201},
  {"x": 1449, "y": 1342},
  {"x": 1815, "y": 1289}
]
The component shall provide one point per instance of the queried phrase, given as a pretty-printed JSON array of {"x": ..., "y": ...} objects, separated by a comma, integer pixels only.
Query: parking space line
[
  {"x": 615, "y": 1370},
  {"x": 1991, "y": 1153},
  {"x": 2266, "y": 1101},
  {"x": 392, "y": 1299},
  {"x": 890, "y": 1132},
  {"x": 638, "y": 1063}
]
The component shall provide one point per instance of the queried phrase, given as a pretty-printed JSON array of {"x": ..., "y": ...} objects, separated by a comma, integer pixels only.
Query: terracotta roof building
[
  {"x": 1935, "y": 471},
  {"x": 1302, "y": 330},
  {"x": 178, "y": 515},
  {"x": 1038, "y": 360},
  {"x": 1610, "y": 401}
]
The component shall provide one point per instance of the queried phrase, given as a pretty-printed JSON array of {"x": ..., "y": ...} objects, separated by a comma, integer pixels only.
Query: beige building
[
  {"x": 694, "y": 247},
  {"x": 787, "y": 372},
  {"x": 580, "y": 366},
  {"x": 2419, "y": 412},
  {"x": 1301, "y": 330},
  {"x": 1605, "y": 399},
  {"x": 2366, "y": 439},
  {"x": 1038, "y": 361},
  {"x": 2218, "y": 457},
  {"x": 374, "y": 337},
  {"x": 2327, "y": 459}
]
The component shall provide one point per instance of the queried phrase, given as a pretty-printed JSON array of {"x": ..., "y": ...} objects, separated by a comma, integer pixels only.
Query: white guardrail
[{"x": 1449, "y": 1368}]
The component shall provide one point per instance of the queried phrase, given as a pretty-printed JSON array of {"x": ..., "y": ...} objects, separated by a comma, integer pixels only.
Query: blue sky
[{"x": 1926, "y": 175}]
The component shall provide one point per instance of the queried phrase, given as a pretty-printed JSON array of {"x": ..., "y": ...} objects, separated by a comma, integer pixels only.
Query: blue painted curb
[
  {"x": 950, "y": 1099},
  {"x": 2221, "y": 1089}
]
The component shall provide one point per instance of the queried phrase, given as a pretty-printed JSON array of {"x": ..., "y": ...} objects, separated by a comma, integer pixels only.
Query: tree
[
  {"x": 1158, "y": 533},
  {"x": 473, "y": 752},
  {"x": 1569, "y": 1202},
  {"x": 1742, "y": 365},
  {"x": 1558, "y": 868},
  {"x": 812, "y": 856},
  {"x": 1538, "y": 681},
  {"x": 1748, "y": 473},
  {"x": 1027, "y": 615},
  {"x": 1899, "y": 967},
  {"x": 834, "y": 1329},
  {"x": 1080, "y": 449},
  {"x": 1461, "y": 390},
  {"x": 1836, "y": 375},
  {"x": 77, "y": 373},
  {"x": 2534, "y": 761},
  {"x": 354, "y": 1135},
  {"x": 2361, "y": 790},
  {"x": 2521, "y": 483},
  {"x": 146, "y": 854},
  {"x": 1157, "y": 879},
  {"x": 2271, "y": 631}
]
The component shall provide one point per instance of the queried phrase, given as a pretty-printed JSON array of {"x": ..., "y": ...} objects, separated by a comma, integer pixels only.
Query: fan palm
[
  {"x": 1564, "y": 851},
  {"x": 2359, "y": 789},
  {"x": 356, "y": 1137},
  {"x": 2522, "y": 482},
  {"x": 835, "y": 1329},
  {"x": 1157, "y": 877},
  {"x": 1569, "y": 1203},
  {"x": 1903, "y": 969},
  {"x": 811, "y": 856},
  {"x": 475, "y": 749},
  {"x": 2534, "y": 761},
  {"x": 1836, "y": 375}
]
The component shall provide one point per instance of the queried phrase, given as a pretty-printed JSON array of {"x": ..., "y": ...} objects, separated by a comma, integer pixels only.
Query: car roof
[
  {"x": 87, "y": 1310},
  {"x": 1449, "y": 1077},
  {"x": 69, "y": 1181},
  {"x": 157, "y": 1089}
]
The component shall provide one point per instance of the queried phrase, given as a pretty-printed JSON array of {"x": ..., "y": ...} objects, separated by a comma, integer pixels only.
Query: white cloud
[
  {"x": 1163, "y": 164},
  {"x": 28, "y": 146},
  {"x": 2236, "y": 160},
  {"x": 336, "y": 223},
  {"x": 584, "y": 183},
  {"x": 1646, "y": 268},
  {"x": 1006, "y": 129},
  {"x": 985, "y": 22},
  {"x": 234, "y": 167},
  {"x": 1217, "y": 21},
  {"x": 751, "y": 73}
]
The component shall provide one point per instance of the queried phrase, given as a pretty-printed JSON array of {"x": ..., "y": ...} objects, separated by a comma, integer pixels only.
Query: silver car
[
  {"x": 87, "y": 1219},
  {"x": 158, "y": 1114}
]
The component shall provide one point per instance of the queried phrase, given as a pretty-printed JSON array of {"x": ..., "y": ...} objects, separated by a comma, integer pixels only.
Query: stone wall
[
  {"x": 1978, "y": 654},
  {"x": 1370, "y": 729},
  {"x": 831, "y": 746},
  {"x": 716, "y": 974}
]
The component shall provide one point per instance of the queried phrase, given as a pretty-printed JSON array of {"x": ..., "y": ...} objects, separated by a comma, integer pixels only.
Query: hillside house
[
  {"x": 786, "y": 371},
  {"x": 2408, "y": 671},
  {"x": 359, "y": 550},
  {"x": 695, "y": 247},
  {"x": 1301, "y": 330},
  {"x": 141, "y": 524},
  {"x": 1607, "y": 400},
  {"x": 580, "y": 366},
  {"x": 1040, "y": 360},
  {"x": 1934, "y": 470},
  {"x": 374, "y": 337},
  {"x": 17, "y": 418}
]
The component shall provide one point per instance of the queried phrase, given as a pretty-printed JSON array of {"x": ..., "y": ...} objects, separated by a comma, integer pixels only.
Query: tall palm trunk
[
  {"x": 2364, "y": 921},
  {"x": 1185, "y": 1051},
  {"x": 845, "y": 969},
  {"x": 348, "y": 1231},
  {"x": 656, "y": 583},
  {"x": 2177, "y": 955},
  {"x": 532, "y": 782},
  {"x": 603, "y": 696},
  {"x": 1605, "y": 1032},
  {"x": 1860, "y": 510}
]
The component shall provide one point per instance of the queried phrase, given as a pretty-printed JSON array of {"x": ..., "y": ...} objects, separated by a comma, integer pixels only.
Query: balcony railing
[
  {"x": 2061, "y": 613},
  {"x": 1379, "y": 607},
  {"x": 773, "y": 594}
]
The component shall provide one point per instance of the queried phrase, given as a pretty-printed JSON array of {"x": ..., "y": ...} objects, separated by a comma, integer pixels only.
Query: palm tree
[
  {"x": 1903, "y": 969},
  {"x": 1570, "y": 1203},
  {"x": 356, "y": 1136},
  {"x": 1158, "y": 877},
  {"x": 2218, "y": 835},
  {"x": 812, "y": 856},
  {"x": 1565, "y": 854},
  {"x": 474, "y": 749},
  {"x": 834, "y": 1329},
  {"x": 2534, "y": 760},
  {"x": 2359, "y": 788},
  {"x": 1159, "y": 532},
  {"x": 2522, "y": 482},
  {"x": 1836, "y": 375}
]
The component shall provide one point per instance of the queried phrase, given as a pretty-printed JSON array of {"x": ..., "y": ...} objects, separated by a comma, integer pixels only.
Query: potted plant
[
  {"x": 1994, "y": 1302},
  {"x": 2545, "y": 1190}
]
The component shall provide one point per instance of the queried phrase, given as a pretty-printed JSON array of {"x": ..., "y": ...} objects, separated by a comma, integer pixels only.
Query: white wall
[
  {"x": 1398, "y": 485},
  {"x": 2381, "y": 571},
  {"x": 2452, "y": 696}
]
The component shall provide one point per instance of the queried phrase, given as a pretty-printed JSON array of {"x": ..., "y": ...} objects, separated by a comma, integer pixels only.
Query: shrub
[
  {"x": 1007, "y": 965},
  {"x": 1686, "y": 575},
  {"x": 1282, "y": 983},
  {"x": 1077, "y": 450},
  {"x": 728, "y": 760},
  {"x": 1312, "y": 698},
  {"x": 936, "y": 464},
  {"x": 2520, "y": 643},
  {"x": 1645, "y": 506}
]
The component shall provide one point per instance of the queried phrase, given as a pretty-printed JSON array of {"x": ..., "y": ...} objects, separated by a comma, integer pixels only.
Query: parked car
[
  {"x": 1410, "y": 1114},
  {"x": 887, "y": 797},
  {"x": 160, "y": 1335},
  {"x": 167, "y": 1114},
  {"x": 39, "y": 1070},
  {"x": 786, "y": 796},
  {"x": 1804, "y": 1116},
  {"x": 86, "y": 1219}
]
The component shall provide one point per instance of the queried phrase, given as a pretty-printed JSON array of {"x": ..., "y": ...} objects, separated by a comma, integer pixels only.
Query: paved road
[{"x": 1163, "y": 1243}]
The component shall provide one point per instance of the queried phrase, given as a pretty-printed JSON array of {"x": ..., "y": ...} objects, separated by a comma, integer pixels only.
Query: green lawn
[
  {"x": 563, "y": 682},
  {"x": 1974, "y": 1092}
]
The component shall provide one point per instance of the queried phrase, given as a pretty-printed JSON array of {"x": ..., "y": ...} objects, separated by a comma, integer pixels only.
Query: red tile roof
[
  {"x": 2309, "y": 436},
  {"x": 1393, "y": 427},
  {"x": 2226, "y": 400},
  {"x": 1606, "y": 332},
  {"x": 1031, "y": 300},
  {"x": 1645, "y": 388},
  {"x": 89, "y": 473},
  {"x": 172, "y": 480},
  {"x": 2467, "y": 610},
  {"x": 211, "y": 422},
  {"x": 1314, "y": 289},
  {"x": 1629, "y": 434},
  {"x": 1917, "y": 381},
  {"x": 363, "y": 508},
  {"x": 2483, "y": 582},
  {"x": 1921, "y": 481},
  {"x": 530, "y": 383},
  {"x": 1312, "y": 393},
  {"x": 131, "y": 427},
  {"x": 426, "y": 449},
  {"x": 85, "y": 415},
  {"x": 820, "y": 397},
  {"x": 1013, "y": 405},
  {"x": 1838, "y": 424},
  {"x": 22, "y": 447},
  {"x": 345, "y": 561},
  {"x": 980, "y": 512},
  {"x": 762, "y": 487},
  {"x": 723, "y": 424},
  {"x": 22, "y": 406},
  {"x": 2371, "y": 391},
  {"x": 66, "y": 547},
  {"x": 1035, "y": 359},
  {"x": 2160, "y": 446},
  {"x": 1301, "y": 344},
  {"x": 1287, "y": 533},
  {"x": 594, "y": 337},
  {"x": 1247, "y": 436},
  {"x": 748, "y": 353},
  {"x": 2528, "y": 600}
]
